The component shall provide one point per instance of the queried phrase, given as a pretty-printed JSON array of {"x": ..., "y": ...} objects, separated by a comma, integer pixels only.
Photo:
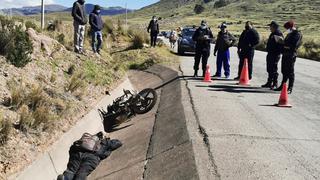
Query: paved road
[{"x": 248, "y": 138}]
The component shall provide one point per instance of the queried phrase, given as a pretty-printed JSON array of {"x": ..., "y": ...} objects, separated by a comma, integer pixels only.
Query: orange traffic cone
[
  {"x": 207, "y": 76},
  {"x": 244, "y": 78},
  {"x": 283, "y": 100}
]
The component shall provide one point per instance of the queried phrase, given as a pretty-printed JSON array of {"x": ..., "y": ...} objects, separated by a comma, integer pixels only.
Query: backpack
[{"x": 89, "y": 142}]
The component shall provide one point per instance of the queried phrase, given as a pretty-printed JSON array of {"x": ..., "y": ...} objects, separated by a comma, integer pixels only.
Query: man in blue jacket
[
  {"x": 79, "y": 24},
  {"x": 96, "y": 23},
  {"x": 274, "y": 48}
]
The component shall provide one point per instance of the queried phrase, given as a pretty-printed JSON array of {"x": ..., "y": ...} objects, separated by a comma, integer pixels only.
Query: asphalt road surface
[{"x": 248, "y": 137}]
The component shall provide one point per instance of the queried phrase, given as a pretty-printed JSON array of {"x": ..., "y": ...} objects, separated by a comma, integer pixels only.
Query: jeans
[
  {"x": 96, "y": 41},
  {"x": 79, "y": 31},
  {"x": 223, "y": 58}
]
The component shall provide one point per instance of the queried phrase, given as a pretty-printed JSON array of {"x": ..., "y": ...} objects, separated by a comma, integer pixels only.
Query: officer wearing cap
[
  {"x": 224, "y": 41},
  {"x": 273, "y": 57},
  {"x": 291, "y": 44},
  {"x": 203, "y": 37}
]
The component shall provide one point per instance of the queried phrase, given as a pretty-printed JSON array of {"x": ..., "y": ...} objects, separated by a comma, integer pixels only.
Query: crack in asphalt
[
  {"x": 264, "y": 137},
  {"x": 201, "y": 129}
]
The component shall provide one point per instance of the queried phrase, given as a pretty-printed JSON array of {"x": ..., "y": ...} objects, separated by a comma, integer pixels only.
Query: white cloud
[{"x": 21, "y": 3}]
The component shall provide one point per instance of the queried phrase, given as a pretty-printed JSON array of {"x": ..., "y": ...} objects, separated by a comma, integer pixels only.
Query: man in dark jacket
[
  {"x": 274, "y": 52},
  {"x": 79, "y": 22},
  {"x": 289, "y": 54},
  {"x": 249, "y": 39},
  {"x": 83, "y": 161},
  {"x": 153, "y": 29},
  {"x": 224, "y": 41},
  {"x": 96, "y": 23},
  {"x": 203, "y": 37}
]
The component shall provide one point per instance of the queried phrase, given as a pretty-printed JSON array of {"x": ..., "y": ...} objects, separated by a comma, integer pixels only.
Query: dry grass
[
  {"x": 5, "y": 129},
  {"x": 76, "y": 82}
]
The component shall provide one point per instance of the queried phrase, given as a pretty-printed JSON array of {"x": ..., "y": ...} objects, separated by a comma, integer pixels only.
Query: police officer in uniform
[
  {"x": 248, "y": 40},
  {"x": 289, "y": 54},
  {"x": 274, "y": 52},
  {"x": 203, "y": 37}
]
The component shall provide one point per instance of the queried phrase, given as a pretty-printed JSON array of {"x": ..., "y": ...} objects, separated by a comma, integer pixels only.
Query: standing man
[
  {"x": 274, "y": 51},
  {"x": 153, "y": 29},
  {"x": 249, "y": 39},
  {"x": 96, "y": 23},
  {"x": 224, "y": 41},
  {"x": 292, "y": 42},
  {"x": 203, "y": 37},
  {"x": 79, "y": 22}
]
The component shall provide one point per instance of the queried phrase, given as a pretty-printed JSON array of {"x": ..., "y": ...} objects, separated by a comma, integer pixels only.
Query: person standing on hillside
[
  {"x": 154, "y": 30},
  {"x": 203, "y": 37},
  {"x": 273, "y": 57},
  {"x": 225, "y": 40},
  {"x": 79, "y": 22},
  {"x": 249, "y": 39},
  {"x": 96, "y": 23},
  {"x": 292, "y": 42}
]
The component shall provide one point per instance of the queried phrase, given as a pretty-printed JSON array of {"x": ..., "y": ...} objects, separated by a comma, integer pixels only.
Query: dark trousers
[
  {"x": 80, "y": 165},
  {"x": 272, "y": 67},
  {"x": 153, "y": 38},
  {"x": 246, "y": 55},
  {"x": 203, "y": 56},
  {"x": 287, "y": 68},
  {"x": 223, "y": 58}
]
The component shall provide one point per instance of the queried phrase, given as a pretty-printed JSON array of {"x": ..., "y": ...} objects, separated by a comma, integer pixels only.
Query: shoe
[
  {"x": 274, "y": 85},
  {"x": 289, "y": 90},
  {"x": 267, "y": 85},
  {"x": 195, "y": 74},
  {"x": 236, "y": 78},
  {"x": 278, "y": 89},
  {"x": 60, "y": 177},
  {"x": 227, "y": 77}
]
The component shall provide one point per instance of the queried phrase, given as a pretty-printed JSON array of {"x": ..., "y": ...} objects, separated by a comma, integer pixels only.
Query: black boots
[
  {"x": 195, "y": 73},
  {"x": 267, "y": 85}
]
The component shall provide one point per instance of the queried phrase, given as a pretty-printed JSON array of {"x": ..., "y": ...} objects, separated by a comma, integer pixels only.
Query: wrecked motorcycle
[{"x": 127, "y": 106}]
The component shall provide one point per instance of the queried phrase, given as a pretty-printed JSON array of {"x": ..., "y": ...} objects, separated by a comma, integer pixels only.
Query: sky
[{"x": 132, "y": 4}]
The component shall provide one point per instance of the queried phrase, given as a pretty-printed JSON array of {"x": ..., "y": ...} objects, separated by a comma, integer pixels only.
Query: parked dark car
[{"x": 185, "y": 42}]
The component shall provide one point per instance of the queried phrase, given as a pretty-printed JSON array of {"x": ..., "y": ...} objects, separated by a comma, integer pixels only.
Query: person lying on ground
[{"x": 85, "y": 155}]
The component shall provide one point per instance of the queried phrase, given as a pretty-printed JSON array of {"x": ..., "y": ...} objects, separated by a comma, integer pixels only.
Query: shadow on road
[{"x": 236, "y": 89}]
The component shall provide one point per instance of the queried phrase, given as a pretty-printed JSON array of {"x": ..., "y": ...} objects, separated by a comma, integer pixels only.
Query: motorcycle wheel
[{"x": 146, "y": 103}]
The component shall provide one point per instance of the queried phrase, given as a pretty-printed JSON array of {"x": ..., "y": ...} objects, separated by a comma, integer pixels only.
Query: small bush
[
  {"x": 61, "y": 39},
  {"x": 26, "y": 120},
  {"x": 30, "y": 24},
  {"x": 198, "y": 9},
  {"x": 17, "y": 96},
  {"x": 138, "y": 39},
  {"x": 5, "y": 129},
  {"x": 108, "y": 27},
  {"x": 220, "y": 3},
  {"x": 19, "y": 48}
]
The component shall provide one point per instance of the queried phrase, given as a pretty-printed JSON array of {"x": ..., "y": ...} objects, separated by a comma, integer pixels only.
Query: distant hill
[{"x": 58, "y": 8}]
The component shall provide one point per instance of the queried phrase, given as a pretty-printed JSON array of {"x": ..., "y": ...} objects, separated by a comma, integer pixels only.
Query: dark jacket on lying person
[{"x": 83, "y": 161}]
